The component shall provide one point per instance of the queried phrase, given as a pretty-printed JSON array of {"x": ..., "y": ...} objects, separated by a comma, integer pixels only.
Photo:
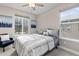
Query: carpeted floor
[
  {"x": 56, "y": 52},
  {"x": 59, "y": 52}
]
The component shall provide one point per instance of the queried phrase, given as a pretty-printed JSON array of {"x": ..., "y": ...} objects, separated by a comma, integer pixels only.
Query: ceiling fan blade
[
  {"x": 40, "y": 5},
  {"x": 25, "y": 5}
]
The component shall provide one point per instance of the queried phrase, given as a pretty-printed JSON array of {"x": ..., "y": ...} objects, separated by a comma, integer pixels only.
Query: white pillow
[
  {"x": 50, "y": 32},
  {"x": 4, "y": 37},
  {"x": 45, "y": 33}
]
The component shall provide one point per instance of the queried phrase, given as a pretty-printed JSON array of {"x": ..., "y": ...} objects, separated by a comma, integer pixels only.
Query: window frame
[{"x": 69, "y": 22}]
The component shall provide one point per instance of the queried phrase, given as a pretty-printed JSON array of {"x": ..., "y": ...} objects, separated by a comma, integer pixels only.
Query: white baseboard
[
  {"x": 69, "y": 39},
  {"x": 70, "y": 50}
]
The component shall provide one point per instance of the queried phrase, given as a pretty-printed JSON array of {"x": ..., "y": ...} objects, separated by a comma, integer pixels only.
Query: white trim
[
  {"x": 22, "y": 24},
  {"x": 69, "y": 50},
  {"x": 70, "y": 22},
  {"x": 69, "y": 39}
]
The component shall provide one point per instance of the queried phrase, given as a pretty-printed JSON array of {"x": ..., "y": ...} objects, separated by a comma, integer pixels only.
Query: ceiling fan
[{"x": 34, "y": 6}]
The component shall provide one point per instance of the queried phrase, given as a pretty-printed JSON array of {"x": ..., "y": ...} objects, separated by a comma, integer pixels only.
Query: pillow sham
[
  {"x": 45, "y": 33},
  {"x": 52, "y": 32},
  {"x": 4, "y": 37}
]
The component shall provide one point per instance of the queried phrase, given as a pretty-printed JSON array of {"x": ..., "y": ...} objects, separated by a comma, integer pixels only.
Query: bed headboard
[
  {"x": 54, "y": 32},
  {"x": 4, "y": 34}
]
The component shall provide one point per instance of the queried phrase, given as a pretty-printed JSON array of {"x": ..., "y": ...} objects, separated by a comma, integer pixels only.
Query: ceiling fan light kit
[
  {"x": 31, "y": 5},
  {"x": 34, "y": 6}
]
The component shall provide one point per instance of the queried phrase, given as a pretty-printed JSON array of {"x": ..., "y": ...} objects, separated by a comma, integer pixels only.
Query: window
[
  {"x": 69, "y": 23},
  {"x": 21, "y": 25}
]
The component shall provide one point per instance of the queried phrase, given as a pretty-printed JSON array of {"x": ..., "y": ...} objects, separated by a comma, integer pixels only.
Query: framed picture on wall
[
  {"x": 5, "y": 21},
  {"x": 33, "y": 23}
]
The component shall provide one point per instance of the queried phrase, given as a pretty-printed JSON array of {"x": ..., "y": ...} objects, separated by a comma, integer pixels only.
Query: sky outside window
[{"x": 73, "y": 11}]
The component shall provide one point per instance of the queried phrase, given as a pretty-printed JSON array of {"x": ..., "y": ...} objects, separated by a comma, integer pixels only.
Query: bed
[{"x": 33, "y": 44}]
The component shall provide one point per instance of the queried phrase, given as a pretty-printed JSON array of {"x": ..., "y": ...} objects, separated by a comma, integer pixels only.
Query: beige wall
[
  {"x": 12, "y": 12},
  {"x": 48, "y": 20}
]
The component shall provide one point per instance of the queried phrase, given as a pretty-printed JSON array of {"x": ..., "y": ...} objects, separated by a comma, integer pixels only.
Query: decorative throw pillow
[
  {"x": 4, "y": 37},
  {"x": 45, "y": 33},
  {"x": 52, "y": 32}
]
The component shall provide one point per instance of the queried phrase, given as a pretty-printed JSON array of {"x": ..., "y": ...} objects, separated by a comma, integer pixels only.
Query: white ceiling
[{"x": 47, "y": 6}]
